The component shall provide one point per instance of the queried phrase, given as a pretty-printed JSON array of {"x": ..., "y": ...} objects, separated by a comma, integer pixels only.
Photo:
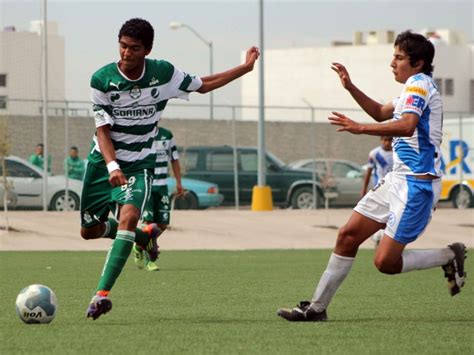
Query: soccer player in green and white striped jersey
[
  {"x": 128, "y": 98},
  {"x": 158, "y": 208}
]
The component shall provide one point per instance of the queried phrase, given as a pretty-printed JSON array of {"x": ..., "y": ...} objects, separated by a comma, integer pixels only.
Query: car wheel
[
  {"x": 462, "y": 197},
  {"x": 59, "y": 203},
  {"x": 302, "y": 198},
  {"x": 187, "y": 202}
]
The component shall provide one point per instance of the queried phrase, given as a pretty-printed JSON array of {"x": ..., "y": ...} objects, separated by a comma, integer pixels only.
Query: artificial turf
[{"x": 205, "y": 302}]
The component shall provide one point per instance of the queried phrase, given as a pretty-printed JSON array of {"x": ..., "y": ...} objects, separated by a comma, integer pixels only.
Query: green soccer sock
[
  {"x": 111, "y": 227},
  {"x": 116, "y": 259}
]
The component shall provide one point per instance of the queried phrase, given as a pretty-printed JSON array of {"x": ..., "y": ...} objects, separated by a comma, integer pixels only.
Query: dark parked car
[{"x": 290, "y": 187}]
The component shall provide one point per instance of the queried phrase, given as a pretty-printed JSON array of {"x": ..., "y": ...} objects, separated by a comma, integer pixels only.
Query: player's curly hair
[
  {"x": 140, "y": 29},
  {"x": 417, "y": 47}
]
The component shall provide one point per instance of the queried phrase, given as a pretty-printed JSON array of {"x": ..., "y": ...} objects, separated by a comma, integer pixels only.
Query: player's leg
[
  {"x": 95, "y": 205},
  {"x": 358, "y": 229},
  {"x": 369, "y": 216},
  {"x": 131, "y": 198},
  {"x": 139, "y": 256},
  {"x": 412, "y": 206},
  {"x": 161, "y": 217}
]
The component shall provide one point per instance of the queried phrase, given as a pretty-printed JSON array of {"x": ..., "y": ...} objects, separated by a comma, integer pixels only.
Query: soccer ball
[{"x": 36, "y": 304}]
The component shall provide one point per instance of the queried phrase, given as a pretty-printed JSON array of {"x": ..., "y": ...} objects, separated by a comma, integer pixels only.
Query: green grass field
[{"x": 205, "y": 302}]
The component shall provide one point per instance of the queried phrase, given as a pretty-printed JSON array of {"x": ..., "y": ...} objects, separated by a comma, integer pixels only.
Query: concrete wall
[
  {"x": 288, "y": 141},
  {"x": 292, "y": 74}
]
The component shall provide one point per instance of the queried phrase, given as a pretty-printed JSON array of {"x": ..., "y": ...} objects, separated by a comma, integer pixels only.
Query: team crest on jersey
[
  {"x": 153, "y": 81},
  {"x": 114, "y": 96},
  {"x": 155, "y": 93},
  {"x": 135, "y": 92}
]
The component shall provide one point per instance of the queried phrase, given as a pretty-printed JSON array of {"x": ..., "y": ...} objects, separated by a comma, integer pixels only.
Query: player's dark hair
[
  {"x": 417, "y": 47},
  {"x": 140, "y": 29},
  {"x": 40, "y": 145},
  {"x": 74, "y": 148}
]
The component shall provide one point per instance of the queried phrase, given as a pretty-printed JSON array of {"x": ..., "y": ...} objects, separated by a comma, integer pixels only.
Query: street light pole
[{"x": 177, "y": 25}]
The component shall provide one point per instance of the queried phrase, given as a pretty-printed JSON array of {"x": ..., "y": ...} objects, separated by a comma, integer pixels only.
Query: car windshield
[{"x": 275, "y": 160}]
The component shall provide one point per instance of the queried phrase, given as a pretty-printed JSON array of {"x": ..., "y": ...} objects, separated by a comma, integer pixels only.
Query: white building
[
  {"x": 292, "y": 74},
  {"x": 21, "y": 68}
]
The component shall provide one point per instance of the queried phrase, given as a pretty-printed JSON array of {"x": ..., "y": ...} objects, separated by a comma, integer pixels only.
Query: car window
[
  {"x": 16, "y": 169},
  {"x": 343, "y": 170},
  {"x": 220, "y": 161},
  {"x": 188, "y": 160},
  {"x": 320, "y": 167},
  {"x": 248, "y": 161}
]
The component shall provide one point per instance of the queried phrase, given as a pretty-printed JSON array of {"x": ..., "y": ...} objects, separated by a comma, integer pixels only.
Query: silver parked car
[
  {"x": 26, "y": 181},
  {"x": 346, "y": 176}
]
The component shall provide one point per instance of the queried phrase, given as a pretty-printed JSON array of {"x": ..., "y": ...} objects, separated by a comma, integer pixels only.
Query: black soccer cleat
[
  {"x": 302, "y": 313},
  {"x": 454, "y": 270}
]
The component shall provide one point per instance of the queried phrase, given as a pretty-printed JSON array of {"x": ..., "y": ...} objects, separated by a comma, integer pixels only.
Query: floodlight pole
[
  {"x": 178, "y": 25},
  {"x": 313, "y": 157},
  {"x": 44, "y": 33},
  {"x": 261, "y": 122}
]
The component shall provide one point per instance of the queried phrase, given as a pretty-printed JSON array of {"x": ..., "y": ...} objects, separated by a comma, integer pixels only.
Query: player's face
[
  {"x": 401, "y": 66},
  {"x": 387, "y": 143},
  {"x": 132, "y": 53}
]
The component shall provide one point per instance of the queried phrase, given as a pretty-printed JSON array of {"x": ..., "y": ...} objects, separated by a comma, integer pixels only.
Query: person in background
[
  {"x": 74, "y": 166},
  {"x": 37, "y": 159},
  {"x": 157, "y": 209},
  {"x": 380, "y": 163}
]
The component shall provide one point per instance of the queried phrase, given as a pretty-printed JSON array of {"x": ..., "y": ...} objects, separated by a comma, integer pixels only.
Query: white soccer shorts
[{"x": 404, "y": 203}]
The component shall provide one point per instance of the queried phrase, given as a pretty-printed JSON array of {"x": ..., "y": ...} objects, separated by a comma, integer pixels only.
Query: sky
[{"x": 90, "y": 29}]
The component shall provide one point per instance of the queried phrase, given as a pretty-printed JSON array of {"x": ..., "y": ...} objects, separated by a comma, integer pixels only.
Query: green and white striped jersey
[
  {"x": 166, "y": 150},
  {"x": 133, "y": 108}
]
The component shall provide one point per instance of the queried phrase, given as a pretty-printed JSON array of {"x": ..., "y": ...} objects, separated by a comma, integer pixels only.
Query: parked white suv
[{"x": 27, "y": 187}]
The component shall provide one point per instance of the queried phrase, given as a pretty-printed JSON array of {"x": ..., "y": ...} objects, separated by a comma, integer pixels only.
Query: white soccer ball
[{"x": 36, "y": 304}]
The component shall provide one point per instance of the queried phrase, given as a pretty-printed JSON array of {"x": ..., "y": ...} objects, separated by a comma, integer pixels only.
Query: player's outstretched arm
[
  {"x": 404, "y": 127},
  {"x": 375, "y": 109},
  {"x": 216, "y": 81}
]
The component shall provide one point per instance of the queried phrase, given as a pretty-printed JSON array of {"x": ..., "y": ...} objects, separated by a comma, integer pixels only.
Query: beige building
[
  {"x": 292, "y": 74},
  {"x": 21, "y": 68}
]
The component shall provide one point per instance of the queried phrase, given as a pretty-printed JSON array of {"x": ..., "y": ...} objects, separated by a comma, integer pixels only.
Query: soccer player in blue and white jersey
[
  {"x": 380, "y": 163},
  {"x": 402, "y": 203}
]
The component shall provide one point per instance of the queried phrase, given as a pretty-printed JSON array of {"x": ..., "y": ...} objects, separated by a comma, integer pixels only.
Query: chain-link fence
[{"x": 291, "y": 134}]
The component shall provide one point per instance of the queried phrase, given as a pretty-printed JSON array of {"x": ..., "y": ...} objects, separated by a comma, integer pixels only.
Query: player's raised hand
[
  {"x": 252, "y": 55},
  {"x": 117, "y": 178},
  {"x": 343, "y": 75},
  {"x": 345, "y": 123}
]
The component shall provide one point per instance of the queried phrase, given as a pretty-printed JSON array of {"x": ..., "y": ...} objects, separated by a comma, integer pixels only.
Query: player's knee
[
  {"x": 386, "y": 265},
  {"x": 346, "y": 241},
  {"x": 88, "y": 233},
  {"x": 129, "y": 218}
]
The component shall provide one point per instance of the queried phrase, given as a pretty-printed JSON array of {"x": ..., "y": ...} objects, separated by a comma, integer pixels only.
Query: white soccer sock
[
  {"x": 426, "y": 259},
  {"x": 336, "y": 271}
]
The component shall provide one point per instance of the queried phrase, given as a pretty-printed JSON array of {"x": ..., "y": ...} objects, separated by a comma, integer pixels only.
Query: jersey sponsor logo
[
  {"x": 155, "y": 93},
  {"x": 135, "y": 92},
  {"x": 416, "y": 90},
  {"x": 415, "y": 101},
  {"x": 154, "y": 81},
  {"x": 135, "y": 112},
  {"x": 114, "y": 96}
]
